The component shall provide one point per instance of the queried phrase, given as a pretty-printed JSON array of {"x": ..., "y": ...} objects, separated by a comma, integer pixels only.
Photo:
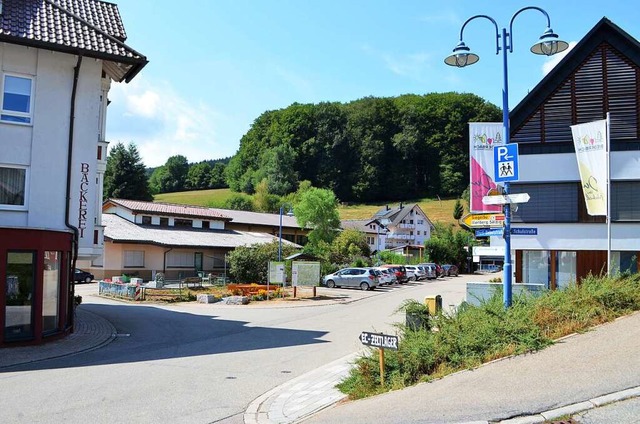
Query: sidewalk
[
  {"x": 91, "y": 332},
  {"x": 578, "y": 373}
]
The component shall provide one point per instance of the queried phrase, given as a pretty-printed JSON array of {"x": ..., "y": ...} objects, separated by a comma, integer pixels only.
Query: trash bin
[{"x": 434, "y": 304}]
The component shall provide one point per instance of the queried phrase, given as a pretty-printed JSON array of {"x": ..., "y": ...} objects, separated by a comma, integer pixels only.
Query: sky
[{"x": 217, "y": 65}]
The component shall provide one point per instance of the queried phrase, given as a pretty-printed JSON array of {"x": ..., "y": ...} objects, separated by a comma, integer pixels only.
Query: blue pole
[
  {"x": 506, "y": 283},
  {"x": 280, "y": 238}
]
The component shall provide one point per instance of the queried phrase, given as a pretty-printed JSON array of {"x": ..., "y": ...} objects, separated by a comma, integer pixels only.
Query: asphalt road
[{"x": 197, "y": 363}]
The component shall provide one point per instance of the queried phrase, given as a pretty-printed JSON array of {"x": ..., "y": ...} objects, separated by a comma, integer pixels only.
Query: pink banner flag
[{"x": 482, "y": 137}]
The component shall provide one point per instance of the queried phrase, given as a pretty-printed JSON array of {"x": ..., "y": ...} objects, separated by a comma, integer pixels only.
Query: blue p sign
[{"x": 505, "y": 162}]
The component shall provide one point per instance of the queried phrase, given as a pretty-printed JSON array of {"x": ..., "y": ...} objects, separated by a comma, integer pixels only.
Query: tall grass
[
  {"x": 214, "y": 198},
  {"x": 474, "y": 335}
]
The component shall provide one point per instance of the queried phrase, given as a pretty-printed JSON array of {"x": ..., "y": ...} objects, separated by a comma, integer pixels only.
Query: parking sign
[{"x": 505, "y": 163}]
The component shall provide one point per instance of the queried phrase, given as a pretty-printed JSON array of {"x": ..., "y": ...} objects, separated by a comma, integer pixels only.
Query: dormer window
[{"x": 17, "y": 94}]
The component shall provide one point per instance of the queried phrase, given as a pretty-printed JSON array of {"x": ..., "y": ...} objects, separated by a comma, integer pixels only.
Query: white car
[
  {"x": 386, "y": 276},
  {"x": 414, "y": 273}
]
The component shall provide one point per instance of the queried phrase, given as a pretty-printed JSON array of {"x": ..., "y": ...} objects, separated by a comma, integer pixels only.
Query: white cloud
[
  {"x": 447, "y": 17},
  {"x": 407, "y": 65},
  {"x": 163, "y": 123},
  {"x": 552, "y": 61}
]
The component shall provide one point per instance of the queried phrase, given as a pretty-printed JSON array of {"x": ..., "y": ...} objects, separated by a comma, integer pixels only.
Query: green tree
[
  {"x": 125, "y": 176},
  {"x": 318, "y": 210},
  {"x": 217, "y": 179},
  {"x": 239, "y": 202},
  {"x": 158, "y": 180},
  {"x": 177, "y": 169},
  {"x": 448, "y": 246},
  {"x": 263, "y": 200},
  {"x": 250, "y": 264},
  {"x": 198, "y": 176},
  {"x": 279, "y": 167},
  {"x": 348, "y": 246},
  {"x": 458, "y": 210}
]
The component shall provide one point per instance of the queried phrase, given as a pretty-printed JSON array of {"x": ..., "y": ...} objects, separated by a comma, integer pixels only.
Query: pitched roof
[
  {"x": 259, "y": 218},
  {"x": 396, "y": 215},
  {"x": 138, "y": 206},
  {"x": 359, "y": 224},
  {"x": 118, "y": 229},
  {"x": 603, "y": 31},
  {"x": 89, "y": 28}
]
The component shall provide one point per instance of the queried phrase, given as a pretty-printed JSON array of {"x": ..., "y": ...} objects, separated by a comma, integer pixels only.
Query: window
[
  {"x": 625, "y": 201},
  {"x": 535, "y": 267},
  {"x": 178, "y": 222},
  {"x": 13, "y": 182},
  {"x": 566, "y": 269},
  {"x": 549, "y": 202},
  {"x": 18, "y": 322},
  {"x": 16, "y": 99},
  {"x": 146, "y": 220},
  {"x": 133, "y": 259},
  {"x": 624, "y": 262},
  {"x": 51, "y": 290},
  {"x": 164, "y": 222},
  {"x": 205, "y": 225},
  {"x": 180, "y": 259}
]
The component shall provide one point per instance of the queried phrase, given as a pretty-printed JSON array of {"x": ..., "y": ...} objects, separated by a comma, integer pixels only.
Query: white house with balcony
[
  {"x": 405, "y": 225},
  {"x": 57, "y": 62},
  {"x": 375, "y": 233}
]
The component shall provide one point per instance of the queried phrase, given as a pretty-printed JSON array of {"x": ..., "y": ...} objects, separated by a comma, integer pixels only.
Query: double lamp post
[{"x": 547, "y": 45}]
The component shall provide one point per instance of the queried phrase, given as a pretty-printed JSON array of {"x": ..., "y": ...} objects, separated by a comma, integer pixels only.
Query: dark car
[
  {"x": 439, "y": 272},
  {"x": 80, "y": 276},
  {"x": 450, "y": 270}
]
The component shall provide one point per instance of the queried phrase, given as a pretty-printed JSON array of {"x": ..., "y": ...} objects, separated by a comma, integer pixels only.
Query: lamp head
[
  {"x": 290, "y": 212},
  {"x": 548, "y": 44},
  {"x": 462, "y": 56}
]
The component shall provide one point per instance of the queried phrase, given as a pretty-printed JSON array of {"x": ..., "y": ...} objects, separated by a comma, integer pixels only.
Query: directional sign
[
  {"x": 506, "y": 199},
  {"x": 483, "y": 220},
  {"x": 382, "y": 341},
  {"x": 487, "y": 232},
  {"x": 505, "y": 162}
]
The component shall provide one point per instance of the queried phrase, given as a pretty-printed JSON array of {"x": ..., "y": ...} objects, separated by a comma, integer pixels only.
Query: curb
[{"x": 574, "y": 408}]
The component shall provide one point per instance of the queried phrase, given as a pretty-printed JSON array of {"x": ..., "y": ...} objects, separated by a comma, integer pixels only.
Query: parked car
[
  {"x": 80, "y": 276},
  {"x": 450, "y": 270},
  {"x": 388, "y": 277},
  {"x": 399, "y": 271},
  {"x": 437, "y": 268},
  {"x": 414, "y": 272},
  {"x": 365, "y": 278},
  {"x": 429, "y": 271}
]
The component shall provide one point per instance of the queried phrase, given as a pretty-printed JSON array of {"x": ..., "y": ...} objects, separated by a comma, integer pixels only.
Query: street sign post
[
  {"x": 484, "y": 220},
  {"x": 382, "y": 342},
  {"x": 487, "y": 232},
  {"x": 506, "y": 199},
  {"x": 505, "y": 163}
]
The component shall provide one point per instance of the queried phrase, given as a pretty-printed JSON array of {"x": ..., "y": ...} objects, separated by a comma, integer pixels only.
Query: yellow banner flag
[{"x": 589, "y": 141}]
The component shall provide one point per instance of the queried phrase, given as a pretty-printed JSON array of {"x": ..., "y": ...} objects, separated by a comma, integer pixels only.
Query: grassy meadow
[{"x": 436, "y": 210}]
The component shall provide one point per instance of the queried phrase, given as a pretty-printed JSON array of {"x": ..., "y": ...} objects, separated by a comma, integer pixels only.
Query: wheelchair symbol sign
[{"x": 505, "y": 162}]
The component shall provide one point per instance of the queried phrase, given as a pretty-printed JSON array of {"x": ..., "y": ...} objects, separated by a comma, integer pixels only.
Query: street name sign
[
  {"x": 505, "y": 199},
  {"x": 381, "y": 341},
  {"x": 505, "y": 162},
  {"x": 486, "y": 232},
  {"x": 524, "y": 231},
  {"x": 475, "y": 220}
]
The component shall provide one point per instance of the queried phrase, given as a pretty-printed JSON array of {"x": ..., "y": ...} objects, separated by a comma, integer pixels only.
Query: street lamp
[
  {"x": 289, "y": 213},
  {"x": 548, "y": 44}
]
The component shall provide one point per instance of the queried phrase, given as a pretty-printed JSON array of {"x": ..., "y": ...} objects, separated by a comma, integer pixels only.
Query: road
[{"x": 198, "y": 363}]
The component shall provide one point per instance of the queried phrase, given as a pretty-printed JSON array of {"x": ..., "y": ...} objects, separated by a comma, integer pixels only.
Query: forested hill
[{"x": 372, "y": 149}]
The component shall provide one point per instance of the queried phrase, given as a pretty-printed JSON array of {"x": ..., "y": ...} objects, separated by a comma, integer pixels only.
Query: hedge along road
[{"x": 198, "y": 363}]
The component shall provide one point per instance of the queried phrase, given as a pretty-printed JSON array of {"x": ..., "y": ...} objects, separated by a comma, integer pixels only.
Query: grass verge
[{"x": 474, "y": 335}]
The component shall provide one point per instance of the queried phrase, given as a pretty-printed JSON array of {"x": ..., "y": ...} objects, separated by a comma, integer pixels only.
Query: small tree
[
  {"x": 250, "y": 264},
  {"x": 318, "y": 209},
  {"x": 458, "y": 210},
  {"x": 349, "y": 246}
]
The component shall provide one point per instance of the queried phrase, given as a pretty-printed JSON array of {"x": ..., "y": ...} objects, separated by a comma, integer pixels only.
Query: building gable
[{"x": 601, "y": 74}]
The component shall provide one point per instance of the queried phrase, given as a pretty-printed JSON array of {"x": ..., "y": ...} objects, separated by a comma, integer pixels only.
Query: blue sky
[{"x": 216, "y": 65}]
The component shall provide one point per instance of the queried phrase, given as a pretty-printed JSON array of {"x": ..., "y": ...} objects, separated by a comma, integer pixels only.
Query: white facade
[{"x": 41, "y": 146}]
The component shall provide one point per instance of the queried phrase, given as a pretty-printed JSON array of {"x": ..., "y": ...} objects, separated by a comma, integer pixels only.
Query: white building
[
  {"x": 405, "y": 225},
  {"x": 563, "y": 243},
  {"x": 57, "y": 62}
]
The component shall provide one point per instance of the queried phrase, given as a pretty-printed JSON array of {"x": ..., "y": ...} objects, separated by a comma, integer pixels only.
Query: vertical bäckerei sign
[
  {"x": 483, "y": 136},
  {"x": 589, "y": 141}
]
